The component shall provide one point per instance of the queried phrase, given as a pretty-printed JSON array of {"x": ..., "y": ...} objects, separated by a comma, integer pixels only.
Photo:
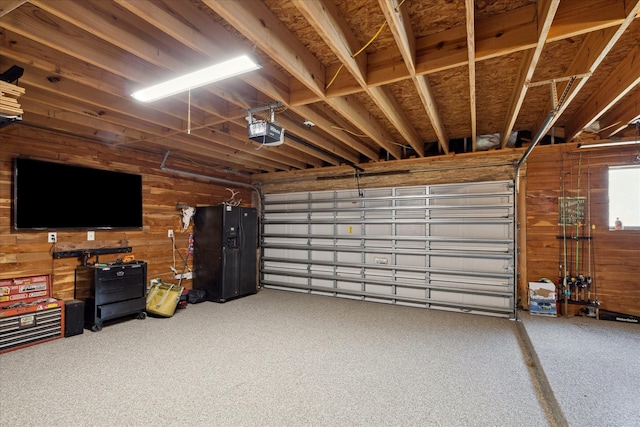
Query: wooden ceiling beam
[
  {"x": 84, "y": 18},
  {"x": 337, "y": 153},
  {"x": 268, "y": 81},
  {"x": 56, "y": 65},
  {"x": 42, "y": 116},
  {"x": 99, "y": 100},
  {"x": 199, "y": 40},
  {"x": 621, "y": 81},
  {"x": 330, "y": 126},
  {"x": 595, "y": 47},
  {"x": 78, "y": 44},
  {"x": 428, "y": 100},
  {"x": 325, "y": 19},
  {"x": 499, "y": 35},
  {"x": 398, "y": 20},
  {"x": 360, "y": 117},
  {"x": 6, "y": 6},
  {"x": 261, "y": 27},
  {"x": 575, "y": 17},
  {"x": 471, "y": 60},
  {"x": 397, "y": 17},
  {"x": 546, "y": 13},
  {"x": 128, "y": 131},
  {"x": 117, "y": 134},
  {"x": 334, "y": 30},
  {"x": 80, "y": 16},
  {"x": 385, "y": 100},
  {"x": 621, "y": 115},
  {"x": 94, "y": 23},
  {"x": 255, "y": 20}
]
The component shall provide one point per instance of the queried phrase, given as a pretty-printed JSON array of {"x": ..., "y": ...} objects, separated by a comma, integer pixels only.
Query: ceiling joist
[{"x": 359, "y": 81}]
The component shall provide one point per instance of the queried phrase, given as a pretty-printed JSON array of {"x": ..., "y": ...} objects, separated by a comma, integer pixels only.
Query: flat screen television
[{"x": 54, "y": 196}]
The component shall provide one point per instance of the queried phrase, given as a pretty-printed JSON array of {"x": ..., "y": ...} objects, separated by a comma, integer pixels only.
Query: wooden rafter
[
  {"x": 398, "y": 20},
  {"x": 72, "y": 12},
  {"x": 546, "y": 14},
  {"x": 621, "y": 81},
  {"x": 259, "y": 24},
  {"x": 83, "y": 59},
  {"x": 471, "y": 58},
  {"x": 261, "y": 81},
  {"x": 618, "y": 118},
  {"x": 6, "y": 6},
  {"x": 255, "y": 20},
  {"x": 594, "y": 49},
  {"x": 334, "y": 30},
  {"x": 496, "y": 36},
  {"x": 574, "y": 17}
]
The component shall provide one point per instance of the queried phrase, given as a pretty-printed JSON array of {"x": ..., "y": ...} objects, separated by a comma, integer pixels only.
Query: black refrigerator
[{"x": 225, "y": 243}]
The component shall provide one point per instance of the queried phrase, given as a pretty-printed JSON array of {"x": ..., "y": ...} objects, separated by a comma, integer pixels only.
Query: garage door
[{"x": 448, "y": 247}]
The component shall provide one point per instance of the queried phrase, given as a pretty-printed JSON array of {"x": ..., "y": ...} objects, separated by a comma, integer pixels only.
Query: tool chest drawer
[
  {"x": 111, "y": 291},
  {"x": 33, "y": 324}
]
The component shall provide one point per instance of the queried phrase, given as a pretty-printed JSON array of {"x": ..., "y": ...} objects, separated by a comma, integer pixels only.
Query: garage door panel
[{"x": 447, "y": 246}]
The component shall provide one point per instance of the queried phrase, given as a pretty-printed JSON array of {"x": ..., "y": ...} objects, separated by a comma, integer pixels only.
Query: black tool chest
[{"x": 111, "y": 291}]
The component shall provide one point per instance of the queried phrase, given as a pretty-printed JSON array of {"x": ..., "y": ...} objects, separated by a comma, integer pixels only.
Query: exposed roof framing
[{"x": 359, "y": 80}]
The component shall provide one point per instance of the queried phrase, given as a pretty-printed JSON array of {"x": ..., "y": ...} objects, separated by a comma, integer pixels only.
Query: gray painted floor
[
  {"x": 593, "y": 367},
  {"x": 286, "y": 359}
]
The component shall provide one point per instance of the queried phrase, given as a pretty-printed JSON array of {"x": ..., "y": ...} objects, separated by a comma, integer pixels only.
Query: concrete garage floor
[
  {"x": 290, "y": 359},
  {"x": 592, "y": 367}
]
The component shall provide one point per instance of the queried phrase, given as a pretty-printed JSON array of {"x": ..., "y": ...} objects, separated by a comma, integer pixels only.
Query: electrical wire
[
  {"x": 348, "y": 131},
  {"x": 375, "y": 36},
  {"x": 397, "y": 8},
  {"x": 334, "y": 77}
]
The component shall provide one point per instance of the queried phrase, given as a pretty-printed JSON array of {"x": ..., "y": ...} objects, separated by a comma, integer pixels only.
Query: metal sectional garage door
[{"x": 448, "y": 247}]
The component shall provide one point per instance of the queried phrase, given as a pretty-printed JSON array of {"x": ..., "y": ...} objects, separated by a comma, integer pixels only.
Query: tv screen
[{"x": 49, "y": 196}]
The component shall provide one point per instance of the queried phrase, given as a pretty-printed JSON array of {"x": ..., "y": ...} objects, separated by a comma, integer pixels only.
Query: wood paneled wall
[
  {"x": 25, "y": 253},
  {"x": 615, "y": 264},
  {"x": 454, "y": 168},
  {"x": 615, "y": 255}
]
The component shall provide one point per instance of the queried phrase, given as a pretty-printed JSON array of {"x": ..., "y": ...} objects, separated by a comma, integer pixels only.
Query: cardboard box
[{"x": 542, "y": 299}]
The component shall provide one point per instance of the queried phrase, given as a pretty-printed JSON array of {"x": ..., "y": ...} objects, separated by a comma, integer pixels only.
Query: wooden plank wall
[
  {"x": 615, "y": 262},
  {"x": 454, "y": 168},
  {"x": 25, "y": 253}
]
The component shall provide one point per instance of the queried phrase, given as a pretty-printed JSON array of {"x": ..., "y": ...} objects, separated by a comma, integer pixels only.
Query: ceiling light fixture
[
  {"x": 617, "y": 142},
  {"x": 607, "y": 144},
  {"x": 205, "y": 76}
]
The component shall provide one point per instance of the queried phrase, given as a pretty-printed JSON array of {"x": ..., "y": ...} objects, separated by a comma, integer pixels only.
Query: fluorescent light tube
[
  {"x": 214, "y": 73},
  {"x": 607, "y": 144}
]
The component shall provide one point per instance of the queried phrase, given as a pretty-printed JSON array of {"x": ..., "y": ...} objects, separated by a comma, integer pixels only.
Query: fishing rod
[{"x": 564, "y": 242}]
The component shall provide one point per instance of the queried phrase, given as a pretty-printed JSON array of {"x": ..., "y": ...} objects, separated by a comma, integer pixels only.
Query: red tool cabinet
[{"x": 28, "y": 314}]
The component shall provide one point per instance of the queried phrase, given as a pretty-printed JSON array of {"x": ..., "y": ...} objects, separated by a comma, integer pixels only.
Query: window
[{"x": 624, "y": 197}]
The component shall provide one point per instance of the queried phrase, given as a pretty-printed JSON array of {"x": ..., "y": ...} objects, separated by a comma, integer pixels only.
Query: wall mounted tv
[{"x": 53, "y": 196}]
